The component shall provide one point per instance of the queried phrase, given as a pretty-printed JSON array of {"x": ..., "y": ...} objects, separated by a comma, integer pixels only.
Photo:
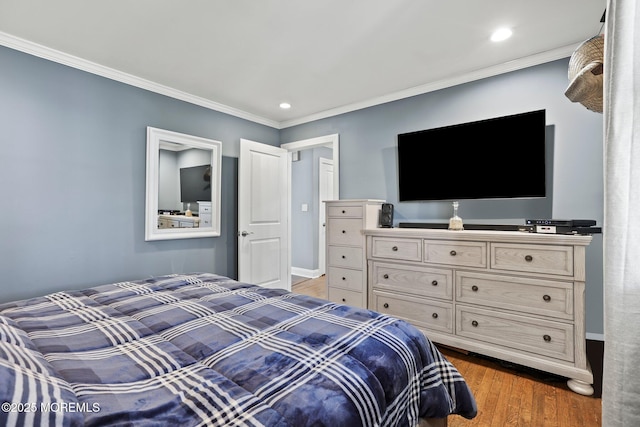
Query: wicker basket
[{"x": 586, "y": 73}]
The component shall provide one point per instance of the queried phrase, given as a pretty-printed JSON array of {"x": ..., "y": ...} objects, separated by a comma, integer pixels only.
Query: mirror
[{"x": 183, "y": 186}]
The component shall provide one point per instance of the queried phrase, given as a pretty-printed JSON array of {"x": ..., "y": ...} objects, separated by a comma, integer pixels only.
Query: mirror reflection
[{"x": 183, "y": 186}]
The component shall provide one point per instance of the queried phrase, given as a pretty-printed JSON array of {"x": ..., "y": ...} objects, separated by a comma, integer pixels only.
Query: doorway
[{"x": 310, "y": 160}]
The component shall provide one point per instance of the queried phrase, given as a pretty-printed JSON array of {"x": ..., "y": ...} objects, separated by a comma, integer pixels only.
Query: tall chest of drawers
[
  {"x": 204, "y": 213},
  {"x": 511, "y": 295},
  {"x": 346, "y": 256}
]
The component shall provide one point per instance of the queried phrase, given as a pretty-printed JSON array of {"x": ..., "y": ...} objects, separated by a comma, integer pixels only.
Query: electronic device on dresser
[
  {"x": 386, "y": 215},
  {"x": 563, "y": 226}
]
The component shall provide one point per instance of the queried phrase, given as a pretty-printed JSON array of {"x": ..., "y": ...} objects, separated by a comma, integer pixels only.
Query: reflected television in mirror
[{"x": 195, "y": 184}]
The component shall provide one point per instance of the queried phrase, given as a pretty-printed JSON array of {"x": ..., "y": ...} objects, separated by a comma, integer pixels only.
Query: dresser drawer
[
  {"x": 345, "y": 211},
  {"x": 422, "y": 281},
  {"x": 401, "y": 249},
  {"x": 419, "y": 312},
  {"x": 344, "y": 256},
  {"x": 205, "y": 220},
  {"x": 170, "y": 224},
  {"x": 346, "y": 278},
  {"x": 546, "y": 338},
  {"x": 345, "y": 231},
  {"x": 343, "y": 296},
  {"x": 532, "y": 258},
  {"x": 467, "y": 254},
  {"x": 535, "y": 296}
]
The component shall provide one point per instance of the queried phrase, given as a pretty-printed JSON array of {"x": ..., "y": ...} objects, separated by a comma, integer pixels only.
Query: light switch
[{"x": 304, "y": 207}]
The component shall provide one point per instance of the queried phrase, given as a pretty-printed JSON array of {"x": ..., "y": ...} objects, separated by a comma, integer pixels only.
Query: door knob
[{"x": 245, "y": 233}]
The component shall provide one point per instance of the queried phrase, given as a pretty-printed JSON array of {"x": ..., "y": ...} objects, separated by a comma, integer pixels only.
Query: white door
[
  {"x": 263, "y": 217},
  {"x": 325, "y": 193}
]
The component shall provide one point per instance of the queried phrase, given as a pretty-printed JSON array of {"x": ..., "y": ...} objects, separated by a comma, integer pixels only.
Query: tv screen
[
  {"x": 502, "y": 157},
  {"x": 195, "y": 184}
]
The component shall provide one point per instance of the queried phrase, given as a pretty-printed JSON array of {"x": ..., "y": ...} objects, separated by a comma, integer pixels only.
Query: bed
[{"x": 202, "y": 349}]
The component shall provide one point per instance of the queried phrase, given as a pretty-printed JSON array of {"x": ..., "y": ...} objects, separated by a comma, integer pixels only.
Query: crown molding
[
  {"x": 517, "y": 64},
  {"x": 44, "y": 52},
  {"x": 110, "y": 73}
]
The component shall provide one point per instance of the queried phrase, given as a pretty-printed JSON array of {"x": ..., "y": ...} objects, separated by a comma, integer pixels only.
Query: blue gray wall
[
  {"x": 72, "y": 175},
  {"x": 368, "y": 160},
  {"x": 72, "y": 179}
]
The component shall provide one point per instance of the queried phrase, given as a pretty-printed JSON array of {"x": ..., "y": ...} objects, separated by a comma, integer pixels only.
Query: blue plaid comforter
[{"x": 203, "y": 349}]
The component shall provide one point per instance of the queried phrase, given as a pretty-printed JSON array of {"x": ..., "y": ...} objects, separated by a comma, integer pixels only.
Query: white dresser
[
  {"x": 346, "y": 256},
  {"x": 511, "y": 295},
  {"x": 178, "y": 221},
  {"x": 204, "y": 213}
]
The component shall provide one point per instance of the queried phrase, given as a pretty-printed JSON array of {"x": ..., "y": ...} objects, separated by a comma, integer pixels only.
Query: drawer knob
[
  {"x": 474, "y": 323},
  {"x": 344, "y": 257},
  {"x": 395, "y": 249},
  {"x": 386, "y": 305},
  {"x": 344, "y": 300},
  {"x": 474, "y": 288},
  {"x": 343, "y": 211},
  {"x": 453, "y": 253},
  {"x": 528, "y": 258},
  {"x": 434, "y": 283},
  {"x": 546, "y": 298},
  {"x": 386, "y": 276},
  {"x": 344, "y": 278},
  {"x": 547, "y": 338},
  {"x": 344, "y": 231},
  {"x": 434, "y": 315}
]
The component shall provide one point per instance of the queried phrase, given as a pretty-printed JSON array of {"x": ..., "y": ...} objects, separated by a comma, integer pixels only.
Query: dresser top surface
[
  {"x": 352, "y": 201},
  {"x": 484, "y": 235},
  {"x": 179, "y": 217}
]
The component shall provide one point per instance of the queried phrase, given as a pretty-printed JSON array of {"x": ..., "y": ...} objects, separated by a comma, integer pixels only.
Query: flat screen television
[
  {"x": 502, "y": 157},
  {"x": 195, "y": 184}
]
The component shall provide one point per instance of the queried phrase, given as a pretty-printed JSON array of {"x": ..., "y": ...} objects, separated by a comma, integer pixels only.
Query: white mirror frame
[{"x": 156, "y": 137}]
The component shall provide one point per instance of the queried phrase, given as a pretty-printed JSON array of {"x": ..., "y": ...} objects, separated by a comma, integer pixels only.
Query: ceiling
[{"x": 325, "y": 57}]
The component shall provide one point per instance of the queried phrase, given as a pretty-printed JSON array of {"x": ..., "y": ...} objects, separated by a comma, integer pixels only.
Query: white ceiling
[{"x": 325, "y": 57}]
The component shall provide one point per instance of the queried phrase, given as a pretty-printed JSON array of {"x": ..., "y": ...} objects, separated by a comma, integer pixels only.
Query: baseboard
[
  {"x": 595, "y": 337},
  {"x": 304, "y": 272}
]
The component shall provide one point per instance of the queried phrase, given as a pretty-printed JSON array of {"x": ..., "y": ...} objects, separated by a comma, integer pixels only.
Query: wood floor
[
  {"x": 314, "y": 287},
  {"x": 507, "y": 396}
]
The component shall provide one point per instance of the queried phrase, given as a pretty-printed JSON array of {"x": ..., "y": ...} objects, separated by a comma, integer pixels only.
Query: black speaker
[{"x": 386, "y": 215}]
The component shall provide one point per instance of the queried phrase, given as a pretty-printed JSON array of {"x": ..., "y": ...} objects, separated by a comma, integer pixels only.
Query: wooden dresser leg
[{"x": 580, "y": 387}]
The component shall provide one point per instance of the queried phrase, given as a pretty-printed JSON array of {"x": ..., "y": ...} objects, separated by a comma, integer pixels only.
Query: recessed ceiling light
[
  {"x": 285, "y": 105},
  {"x": 501, "y": 34}
]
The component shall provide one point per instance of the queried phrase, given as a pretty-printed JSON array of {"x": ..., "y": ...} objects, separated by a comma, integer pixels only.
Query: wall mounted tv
[
  {"x": 502, "y": 157},
  {"x": 195, "y": 184}
]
